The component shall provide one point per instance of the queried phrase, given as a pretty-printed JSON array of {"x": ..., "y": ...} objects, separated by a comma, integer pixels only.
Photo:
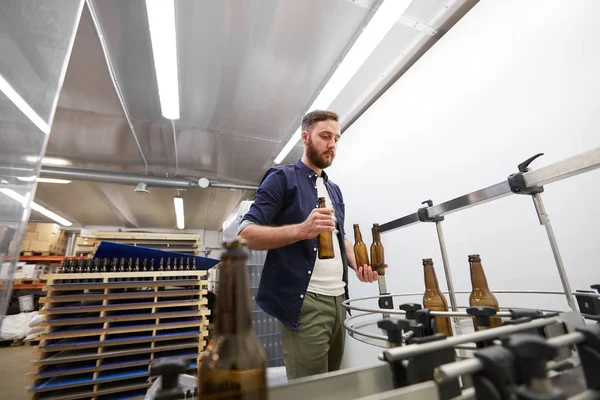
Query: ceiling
[{"x": 248, "y": 70}]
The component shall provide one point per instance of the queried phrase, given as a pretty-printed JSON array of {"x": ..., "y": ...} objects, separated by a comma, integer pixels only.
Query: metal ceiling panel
[
  {"x": 33, "y": 48},
  {"x": 252, "y": 67},
  {"x": 87, "y": 139},
  {"x": 87, "y": 85},
  {"x": 77, "y": 201}
]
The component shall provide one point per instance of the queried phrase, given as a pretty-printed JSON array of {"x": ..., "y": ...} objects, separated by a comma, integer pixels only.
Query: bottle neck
[
  {"x": 357, "y": 236},
  {"x": 232, "y": 307},
  {"x": 431, "y": 282},
  {"x": 478, "y": 279},
  {"x": 376, "y": 237}
]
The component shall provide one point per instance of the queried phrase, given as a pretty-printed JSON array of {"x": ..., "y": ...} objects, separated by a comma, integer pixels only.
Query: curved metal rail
[{"x": 366, "y": 311}]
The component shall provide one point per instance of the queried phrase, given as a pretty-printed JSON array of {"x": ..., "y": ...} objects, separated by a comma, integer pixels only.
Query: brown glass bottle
[
  {"x": 481, "y": 295},
  {"x": 377, "y": 254},
  {"x": 360, "y": 248},
  {"x": 235, "y": 365},
  {"x": 325, "y": 239},
  {"x": 434, "y": 299}
]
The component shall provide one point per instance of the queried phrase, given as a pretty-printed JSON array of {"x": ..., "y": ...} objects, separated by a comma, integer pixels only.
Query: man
[{"x": 302, "y": 291}]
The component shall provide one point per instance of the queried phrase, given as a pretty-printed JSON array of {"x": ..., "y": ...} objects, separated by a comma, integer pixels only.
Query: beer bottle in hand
[
  {"x": 377, "y": 255},
  {"x": 235, "y": 365},
  {"x": 360, "y": 248},
  {"x": 325, "y": 239},
  {"x": 481, "y": 295},
  {"x": 434, "y": 299}
]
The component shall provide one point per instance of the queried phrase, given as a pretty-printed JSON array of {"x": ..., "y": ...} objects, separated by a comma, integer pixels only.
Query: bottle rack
[
  {"x": 104, "y": 330},
  {"x": 265, "y": 326}
]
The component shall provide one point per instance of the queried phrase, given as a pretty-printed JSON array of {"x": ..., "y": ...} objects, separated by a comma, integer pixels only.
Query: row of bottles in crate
[
  {"x": 433, "y": 298},
  {"x": 87, "y": 265}
]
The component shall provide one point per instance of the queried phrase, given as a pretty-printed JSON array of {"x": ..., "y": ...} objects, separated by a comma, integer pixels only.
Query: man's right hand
[{"x": 319, "y": 220}]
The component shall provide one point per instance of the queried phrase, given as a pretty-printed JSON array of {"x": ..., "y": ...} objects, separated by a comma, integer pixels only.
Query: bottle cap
[
  {"x": 474, "y": 257},
  {"x": 235, "y": 248},
  {"x": 427, "y": 261},
  {"x": 355, "y": 226}
]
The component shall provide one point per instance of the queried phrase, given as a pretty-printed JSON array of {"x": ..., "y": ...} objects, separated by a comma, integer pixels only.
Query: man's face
[{"x": 321, "y": 142}]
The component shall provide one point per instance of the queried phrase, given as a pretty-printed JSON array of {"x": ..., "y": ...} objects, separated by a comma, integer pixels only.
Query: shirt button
[
  {"x": 301, "y": 296},
  {"x": 309, "y": 272},
  {"x": 315, "y": 249}
]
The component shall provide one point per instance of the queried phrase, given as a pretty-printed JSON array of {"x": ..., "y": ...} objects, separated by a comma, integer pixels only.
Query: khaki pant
[{"x": 318, "y": 344}]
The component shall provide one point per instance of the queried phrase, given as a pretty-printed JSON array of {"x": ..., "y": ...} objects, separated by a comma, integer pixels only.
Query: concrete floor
[{"x": 14, "y": 364}]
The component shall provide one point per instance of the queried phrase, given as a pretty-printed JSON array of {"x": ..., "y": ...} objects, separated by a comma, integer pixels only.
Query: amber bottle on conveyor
[
  {"x": 235, "y": 365},
  {"x": 434, "y": 299},
  {"x": 481, "y": 295},
  {"x": 325, "y": 239},
  {"x": 360, "y": 248}
]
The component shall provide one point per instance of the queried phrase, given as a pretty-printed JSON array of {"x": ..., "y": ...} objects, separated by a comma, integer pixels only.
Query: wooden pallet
[
  {"x": 181, "y": 243},
  {"x": 23, "y": 342},
  {"x": 29, "y": 281},
  {"x": 105, "y": 330}
]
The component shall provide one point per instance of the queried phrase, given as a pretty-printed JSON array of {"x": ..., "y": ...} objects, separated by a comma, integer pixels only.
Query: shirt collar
[{"x": 310, "y": 172}]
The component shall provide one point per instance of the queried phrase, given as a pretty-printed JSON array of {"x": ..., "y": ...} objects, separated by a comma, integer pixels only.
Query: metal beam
[{"x": 572, "y": 166}]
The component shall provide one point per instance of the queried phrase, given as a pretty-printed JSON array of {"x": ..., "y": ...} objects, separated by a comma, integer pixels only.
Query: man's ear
[{"x": 305, "y": 136}]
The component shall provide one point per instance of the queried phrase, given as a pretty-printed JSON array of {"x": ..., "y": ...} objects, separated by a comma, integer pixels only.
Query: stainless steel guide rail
[{"x": 532, "y": 178}]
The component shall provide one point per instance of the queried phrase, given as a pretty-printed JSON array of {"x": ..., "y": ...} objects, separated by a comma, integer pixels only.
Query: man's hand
[
  {"x": 319, "y": 220},
  {"x": 366, "y": 273}
]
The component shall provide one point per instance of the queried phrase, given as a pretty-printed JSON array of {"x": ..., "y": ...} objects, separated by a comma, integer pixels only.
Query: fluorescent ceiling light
[
  {"x": 48, "y": 160},
  {"x": 161, "y": 19},
  {"x": 179, "y": 212},
  {"x": 34, "y": 206},
  {"x": 42, "y": 180},
  {"x": 380, "y": 24},
  {"x": 22, "y": 105}
]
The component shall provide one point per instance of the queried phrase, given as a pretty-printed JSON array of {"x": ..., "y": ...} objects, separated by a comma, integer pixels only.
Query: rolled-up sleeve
[{"x": 270, "y": 198}]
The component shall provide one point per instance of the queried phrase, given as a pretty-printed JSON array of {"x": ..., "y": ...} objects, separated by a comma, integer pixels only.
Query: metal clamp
[
  {"x": 589, "y": 302},
  {"x": 516, "y": 181},
  {"x": 589, "y": 352},
  {"x": 424, "y": 216}
]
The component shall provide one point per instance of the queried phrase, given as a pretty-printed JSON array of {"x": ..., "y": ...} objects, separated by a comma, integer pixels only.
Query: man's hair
[{"x": 317, "y": 116}]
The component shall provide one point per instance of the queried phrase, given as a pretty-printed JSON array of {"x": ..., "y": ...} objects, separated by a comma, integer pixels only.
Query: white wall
[{"x": 511, "y": 79}]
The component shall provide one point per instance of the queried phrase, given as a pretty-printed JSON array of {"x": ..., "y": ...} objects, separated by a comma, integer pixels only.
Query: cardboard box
[
  {"x": 84, "y": 241},
  {"x": 26, "y": 245},
  {"x": 41, "y": 246},
  {"x": 47, "y": 237},
  {"x": 30, "y": 236},
  {"x": 32, "y": 227},
  {"x": 48, "y": 228}
]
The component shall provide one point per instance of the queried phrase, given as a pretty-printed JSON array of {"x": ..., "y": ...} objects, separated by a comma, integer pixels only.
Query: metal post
[
  {"x": 446, "y": 263},
  {"x": 545, "y": 220}
]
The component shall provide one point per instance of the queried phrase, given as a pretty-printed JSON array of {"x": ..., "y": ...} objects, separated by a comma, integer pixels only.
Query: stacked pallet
[
  {"x": 104, "y": 330},
  {"x": 174, "y": 242},
  {"x": 43, "y": 239}
]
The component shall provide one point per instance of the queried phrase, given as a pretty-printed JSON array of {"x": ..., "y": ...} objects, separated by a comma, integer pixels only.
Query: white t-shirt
[{"x": 327, "y": 275}]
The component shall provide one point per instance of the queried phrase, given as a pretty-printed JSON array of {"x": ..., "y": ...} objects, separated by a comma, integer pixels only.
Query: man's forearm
[
  {"x": 350, "y": 254},
  {"x": 271, "y": 237}
]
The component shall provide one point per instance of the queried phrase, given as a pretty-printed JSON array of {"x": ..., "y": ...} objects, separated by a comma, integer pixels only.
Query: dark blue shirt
[{"x": 286, "y": 196}]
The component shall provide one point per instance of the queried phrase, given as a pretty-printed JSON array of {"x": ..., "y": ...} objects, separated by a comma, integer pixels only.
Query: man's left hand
[{"x": 367, "y": 274}]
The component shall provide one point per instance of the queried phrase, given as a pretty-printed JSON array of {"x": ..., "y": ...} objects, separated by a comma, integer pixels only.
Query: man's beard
[{"x": 315, "y": 158}]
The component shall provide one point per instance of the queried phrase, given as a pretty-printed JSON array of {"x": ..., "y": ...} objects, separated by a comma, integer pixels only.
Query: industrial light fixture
[
  {"x": 179, "y": 212},
  {"x": 22, "y": 105},
  {"x": 42, "y": 180},
  {"x": 34, "y": 206},
  {"x": 141, "y": 188},
  {"x": 48, "y": 160},
  {"x": 380, "y": 24},
  {"x": 161, "y": 20}
]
